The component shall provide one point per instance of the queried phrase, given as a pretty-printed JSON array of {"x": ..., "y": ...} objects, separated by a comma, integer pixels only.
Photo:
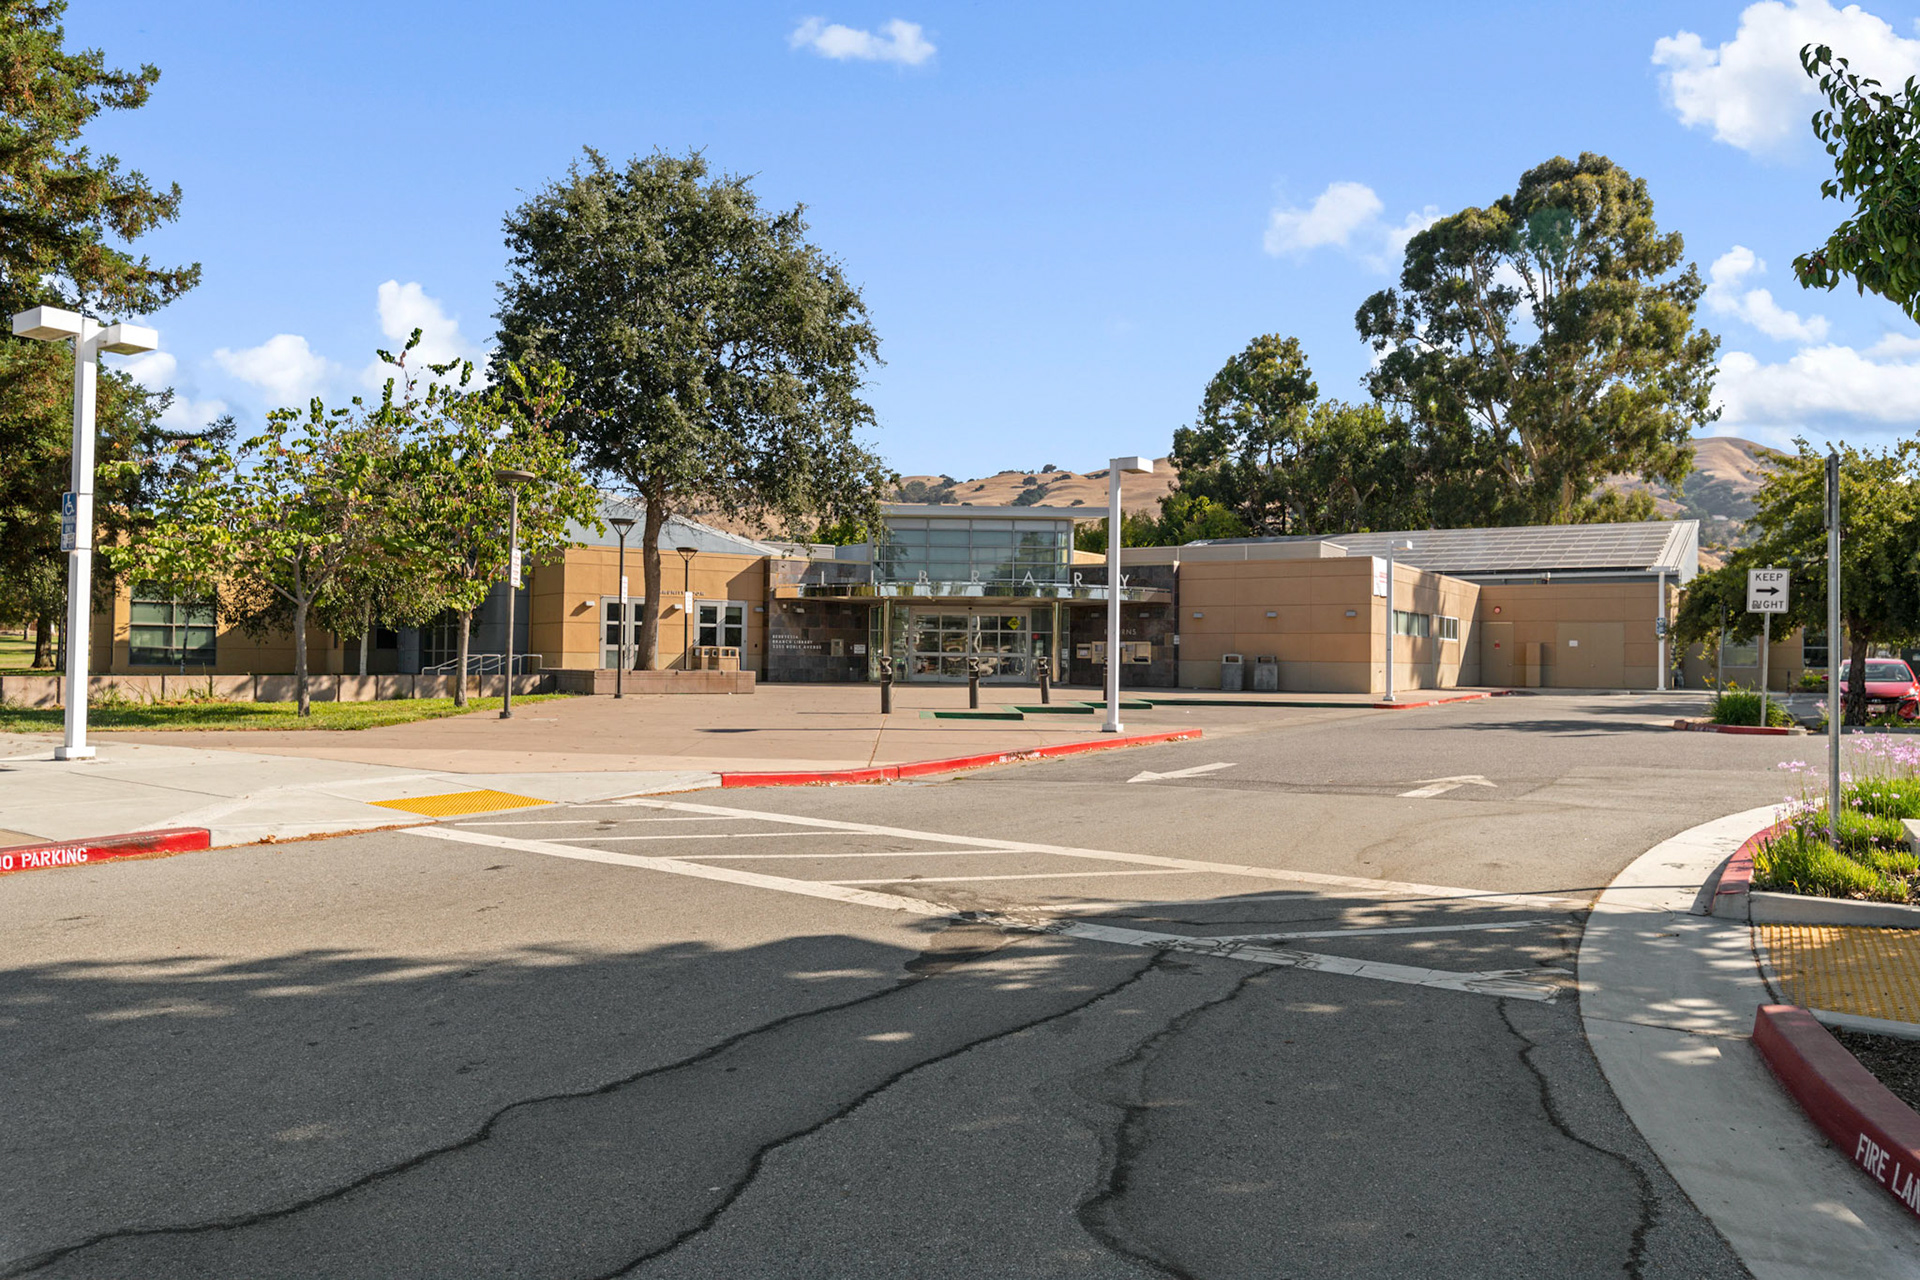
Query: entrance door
[
  {"x": 1496, "y": 654},
  {"x": 939, "y": 643}
]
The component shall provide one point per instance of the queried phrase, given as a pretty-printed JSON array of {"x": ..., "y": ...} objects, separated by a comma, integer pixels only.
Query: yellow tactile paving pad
[
  {"x": 458, "y": 802},
  {"x": 1874, "y": 973}
]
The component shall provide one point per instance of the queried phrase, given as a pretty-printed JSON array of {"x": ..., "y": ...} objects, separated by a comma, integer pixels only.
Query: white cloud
[
  {"x": 153, "y": 370},
  {"x": 1411, "y": 226},
  {"x": 1333, "y": 218},
  {"x": 157, "y": 371},
  {"x": 1751, "y": 91},
  {"x": 902, "y": 42},
  {"x": 1819, "y": 383},
  {"x": 406, "y": 307},
  {"x": 284, "y": 366},
  {"x": 1725, "y": 296},
  {"x": 187, "y": 413}
]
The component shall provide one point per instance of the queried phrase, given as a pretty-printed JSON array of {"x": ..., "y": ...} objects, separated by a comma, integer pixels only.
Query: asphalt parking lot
[{"x": 1294, "y": 1002}]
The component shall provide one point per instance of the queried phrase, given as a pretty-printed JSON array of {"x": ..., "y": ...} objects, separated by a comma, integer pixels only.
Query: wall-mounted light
[
  {"x": 1353, "y": 613},
  {"x": 1272, "y": 614},
  {"x": 1199, "y": 615}
]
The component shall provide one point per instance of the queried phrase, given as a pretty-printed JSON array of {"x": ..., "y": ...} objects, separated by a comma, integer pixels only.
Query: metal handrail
[{"x": 488, "y": 664}]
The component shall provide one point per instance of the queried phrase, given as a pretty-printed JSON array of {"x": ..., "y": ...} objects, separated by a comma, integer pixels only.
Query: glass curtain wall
[{"x": 1000, "y": 554}]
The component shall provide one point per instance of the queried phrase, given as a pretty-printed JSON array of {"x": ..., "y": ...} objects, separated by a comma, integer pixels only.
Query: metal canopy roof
[{"x": 1647, "y": 547}]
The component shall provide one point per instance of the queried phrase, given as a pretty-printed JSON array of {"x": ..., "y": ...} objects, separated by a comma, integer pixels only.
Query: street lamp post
[
  {"x": 622, "y": 525},
  {"x": 1398, "y": 544},
  {"x": 686, "y": 602},
  {"x": 513, "y": 479},
  {"x": 51, "y": 324},
  {"x": 1134, "y": 466}
]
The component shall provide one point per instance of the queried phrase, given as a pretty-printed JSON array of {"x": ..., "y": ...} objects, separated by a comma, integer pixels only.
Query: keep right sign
[{"x": 1767, "y": 590}]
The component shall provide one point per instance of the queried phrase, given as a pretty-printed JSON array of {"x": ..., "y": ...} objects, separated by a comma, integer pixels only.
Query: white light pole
[
  {"x": 1115, "y": 469},
  {"x": 513, "y": 478},
  {"x": 1398, "y": 544},
  {"x": 51, "y": 324}
]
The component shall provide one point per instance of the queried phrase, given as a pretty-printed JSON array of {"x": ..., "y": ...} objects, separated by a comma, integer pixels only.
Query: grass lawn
[
  {"x": 256, "y": 715},
  {"x": 16, "y": 657}
]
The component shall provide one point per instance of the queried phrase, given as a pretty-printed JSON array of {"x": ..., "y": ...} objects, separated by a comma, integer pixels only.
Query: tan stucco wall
[
  {"x": 1785, "y": 663},
  {"x": 235, "y": 652},
  {"x": 566, "y": 603},
  {"x": 1327, "y": 629},
  {"x": 1542, "y": 613}
]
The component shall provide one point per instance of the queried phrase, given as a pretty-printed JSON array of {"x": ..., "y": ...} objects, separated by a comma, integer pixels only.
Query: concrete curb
[
  {"x": 1434, "y": 702},
  {"x": 920, "y": 768},
  {"x": 1767, "y": 731},
  {"x": 1735, "y": 898},
  {"x": 75, "y": 853},
  {"x": 1872, "y": 1128}
]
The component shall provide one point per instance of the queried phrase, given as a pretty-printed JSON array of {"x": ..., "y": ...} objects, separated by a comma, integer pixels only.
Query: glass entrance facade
[{"x": 935, "y": 642}]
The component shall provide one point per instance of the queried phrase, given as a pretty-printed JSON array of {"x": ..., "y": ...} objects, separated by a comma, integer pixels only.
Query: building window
[
  {"x": 1446, "y": 628},
  {"x": 1006, "y": 552},
  {"x": 1410, "y": 624},
  {"x": 165, "y": 630},
  {"x": 722, "y": 623},
  {"x": 440, "y": 639},
  {"x": 1813, "y": 650},
  {"x": 610, "y": 631}
]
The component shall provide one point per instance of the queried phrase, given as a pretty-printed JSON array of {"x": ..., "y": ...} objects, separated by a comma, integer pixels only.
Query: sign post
[
  {"x": 1833, "y": 648},
  {"x": 1767, "y": 592}
]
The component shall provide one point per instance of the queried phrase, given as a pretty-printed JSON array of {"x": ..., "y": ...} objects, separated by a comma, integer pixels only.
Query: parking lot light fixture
[
  {"x": 513, "y": 479},
  {"x": 1134, "y": 466},
  {"x": 1398, "y": 544},
  {"x": 686, "y": 603},
  {"x": 52, "y": 324},
  {"x": 622, "y": 525}
]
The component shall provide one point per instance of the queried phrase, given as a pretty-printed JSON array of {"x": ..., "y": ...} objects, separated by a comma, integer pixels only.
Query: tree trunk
[
  {"x": 301, "y": 691},
  {"x": 1856, "y": 709},
  {"x": 649, "y": 656},
  {"x": 366, "y": 625},
  {"x": 43, "y": 640},
  {"x": 460, "y": 681}
]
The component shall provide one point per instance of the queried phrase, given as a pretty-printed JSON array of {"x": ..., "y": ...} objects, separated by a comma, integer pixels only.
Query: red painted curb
[
  {"x": 918, "y": 768},
  {"x": 1432, "y": 702},
  {"x": 1771, "y": 731},
  {"x": 1736, "y": 874},
  {"x": 74, "y": 853},
  {"x": 1875, "y": 1130}
]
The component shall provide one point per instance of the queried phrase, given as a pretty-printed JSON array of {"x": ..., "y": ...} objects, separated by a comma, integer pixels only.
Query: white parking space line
[
  {"x": 1500, "y": 983},
  {"x": 1363, "y": 884},
  {"x": 727, "y": 835},
  {"x": 1028, "y": 875},
  {"x": 1505, "y": 983},
  {"x": 673, "y": 866},
  {"x": 816, "y": 855},
  {"x": 1489, "y": 927},
  {"x": 584, "y": 822}
]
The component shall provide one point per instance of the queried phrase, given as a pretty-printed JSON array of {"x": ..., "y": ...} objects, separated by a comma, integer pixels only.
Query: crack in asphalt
[
  {"x": 928, "y": 963},
  {"x": 1649, "y": 1204},
  {"x": 1098, "y": 1213},
  {"x": 758, "y": 1159}
]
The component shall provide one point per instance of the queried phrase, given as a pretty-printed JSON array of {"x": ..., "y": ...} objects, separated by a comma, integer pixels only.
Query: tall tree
[
  {"x": 1874, "y": 139},
  {"x": 1542, "y": 343},
  {"x": 717, "y": 356},
  {"x": 1879, "y": 558},
  {"x": 65, "y": 215},
  {"x": 1241, "y": 452}
]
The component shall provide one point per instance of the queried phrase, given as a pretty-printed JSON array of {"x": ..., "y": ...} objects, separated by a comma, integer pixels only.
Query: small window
[
  {"x": 1410, "y": 624},
  {"x": 166, "y": 630},
  {"x": 723, "y": 624},
  {"x": 1446, "y": 628}
]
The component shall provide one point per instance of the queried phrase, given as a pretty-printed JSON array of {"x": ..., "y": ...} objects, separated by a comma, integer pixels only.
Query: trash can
[
  {"x": 1266, "y": 674},
  {"x": 1233, "y": 676}
]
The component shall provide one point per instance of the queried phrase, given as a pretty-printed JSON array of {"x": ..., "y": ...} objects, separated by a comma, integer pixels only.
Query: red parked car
[{"x": 1890, "y": 686}]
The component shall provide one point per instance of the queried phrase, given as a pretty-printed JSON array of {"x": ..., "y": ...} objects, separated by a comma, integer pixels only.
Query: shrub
[
  {"x": 1894, "y": 798},
  {"x": 1735, "y": 705},
  {"x": 1796, "y": 862}
]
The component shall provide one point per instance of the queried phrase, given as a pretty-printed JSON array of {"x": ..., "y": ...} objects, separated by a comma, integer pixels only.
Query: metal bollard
[
  {"x": 973, "y": 684},
  {"x": 886, "y": 686},
  {"x": 1046, "y": 682}
]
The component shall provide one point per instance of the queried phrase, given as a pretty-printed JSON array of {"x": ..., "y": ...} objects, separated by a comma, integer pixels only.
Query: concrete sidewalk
[
  {"x": 1667, "y": 998},
  {"x": 284, "y": 784}
]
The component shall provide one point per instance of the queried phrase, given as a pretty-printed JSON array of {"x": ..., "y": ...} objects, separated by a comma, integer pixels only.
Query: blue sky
[{"x": 1064, "y": 218}]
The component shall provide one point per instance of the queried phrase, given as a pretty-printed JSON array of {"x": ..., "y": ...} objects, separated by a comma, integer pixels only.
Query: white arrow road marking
[
  {"x": 1194, "y": 772},
  {"x": 1440, "y": 786}
]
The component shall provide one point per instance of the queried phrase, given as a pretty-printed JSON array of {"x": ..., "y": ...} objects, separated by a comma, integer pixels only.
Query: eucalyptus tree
[
  {"x": 717, "y": 356},
  {"x": 1542, "y": 343}
]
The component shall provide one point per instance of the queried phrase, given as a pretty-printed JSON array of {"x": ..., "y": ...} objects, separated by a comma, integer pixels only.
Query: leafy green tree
[
  {"x": 1871, "y": 135},
  {"x": 278, "y": 523},
  {"x": 1543, "y": 343},
  {"x": 64, "y": 213},
  {"x": 1879, "y": 558},
  {"x": 1187, "y": 517},
  {"x": 455, "y": 532},
  {"x": 1137, "y": 529},
  {"x": 717, "y": 355},
  {"x": 1243, "y": 449}
]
